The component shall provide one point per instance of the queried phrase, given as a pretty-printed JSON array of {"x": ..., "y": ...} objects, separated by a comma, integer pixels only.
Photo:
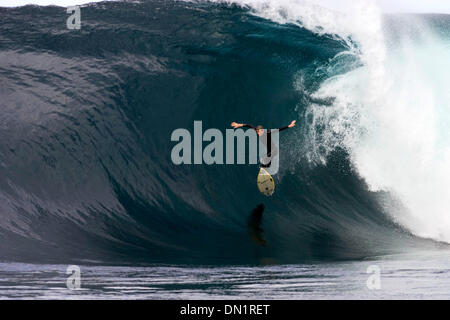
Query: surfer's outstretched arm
[
  {"x": 242, "y": 125},
  {"x": 292, "y": 124},
  {"x": 236, "y": 125}
]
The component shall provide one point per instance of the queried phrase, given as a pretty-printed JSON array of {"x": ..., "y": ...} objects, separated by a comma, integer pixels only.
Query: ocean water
[
  {"x": 86, "y": 176},
  {"x": 422, "y": 276}
]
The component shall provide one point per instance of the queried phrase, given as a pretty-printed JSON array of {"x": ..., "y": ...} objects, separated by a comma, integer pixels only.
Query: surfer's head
[{"x": 259, "y": 130}]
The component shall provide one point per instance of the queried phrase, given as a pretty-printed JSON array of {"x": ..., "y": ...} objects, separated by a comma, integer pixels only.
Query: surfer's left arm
[{"x": 292, "y": 124}]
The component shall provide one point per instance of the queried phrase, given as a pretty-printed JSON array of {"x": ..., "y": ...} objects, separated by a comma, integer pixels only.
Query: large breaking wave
[{"x": 85, "y": 169}]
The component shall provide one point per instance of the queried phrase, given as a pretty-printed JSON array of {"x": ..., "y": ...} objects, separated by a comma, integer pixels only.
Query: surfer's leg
[{"x": 267, "y": 160}]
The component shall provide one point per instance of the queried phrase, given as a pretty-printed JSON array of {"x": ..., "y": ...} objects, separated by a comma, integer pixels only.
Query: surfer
[{"x": 272, "y": 151}]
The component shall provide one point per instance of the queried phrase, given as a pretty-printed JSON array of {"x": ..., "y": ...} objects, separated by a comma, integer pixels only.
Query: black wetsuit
[{"x": 269, "y": 141}]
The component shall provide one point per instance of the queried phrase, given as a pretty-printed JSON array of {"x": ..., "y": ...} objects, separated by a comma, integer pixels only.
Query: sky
[{"x": 389, "y": 6}]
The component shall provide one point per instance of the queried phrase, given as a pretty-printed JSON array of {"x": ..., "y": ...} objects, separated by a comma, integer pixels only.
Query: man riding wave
[{"x": 266, "y": 138}]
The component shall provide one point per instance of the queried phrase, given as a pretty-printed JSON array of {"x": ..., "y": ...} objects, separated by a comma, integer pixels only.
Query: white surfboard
[{"x": 265, "y": 182}]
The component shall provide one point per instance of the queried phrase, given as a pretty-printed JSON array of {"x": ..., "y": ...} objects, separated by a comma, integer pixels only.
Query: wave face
[{"x": 87, "y": 115}]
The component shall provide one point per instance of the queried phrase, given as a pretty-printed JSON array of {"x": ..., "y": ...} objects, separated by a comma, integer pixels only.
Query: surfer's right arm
[{"x": 236, "y": 125}]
